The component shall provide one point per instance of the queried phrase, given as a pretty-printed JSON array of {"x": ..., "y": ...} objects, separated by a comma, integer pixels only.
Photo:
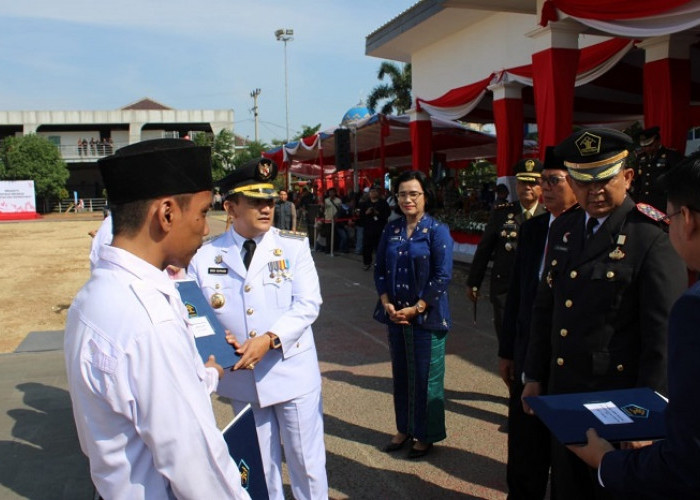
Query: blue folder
[
  {"x": 242, "y": 440},
  {"x": 568, "y": 419},
  {"x": 198, "y": 307}
]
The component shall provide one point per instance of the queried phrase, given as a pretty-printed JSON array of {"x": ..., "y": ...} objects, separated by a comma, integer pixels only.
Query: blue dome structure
[{"x": 355, "y": 114}]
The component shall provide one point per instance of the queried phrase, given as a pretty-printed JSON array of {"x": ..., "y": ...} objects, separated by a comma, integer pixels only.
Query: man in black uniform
[
  {"x": 374, "y": 212},
  {"x": 500, "y": 238},
  {"x": 528, "y": 438},
  {"x": 611, "y": 276},
  {"x": 653, "y": 160}
]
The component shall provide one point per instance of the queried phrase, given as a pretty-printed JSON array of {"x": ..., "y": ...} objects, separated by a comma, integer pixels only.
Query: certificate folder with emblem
[
  {"x": 621, "y": 415},
  {"x": 242, "y": 440},
  {"x": 209, "y": 334}
]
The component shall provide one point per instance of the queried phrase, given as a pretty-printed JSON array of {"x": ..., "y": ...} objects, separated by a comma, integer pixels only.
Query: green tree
[
  {"x": 306, "y": 131},
  {"x": 396, "y": 95},
  {"x": 222, "y": 152},
  {"x": 254, "y": 149},
  {"x": 33, "y": 157}
]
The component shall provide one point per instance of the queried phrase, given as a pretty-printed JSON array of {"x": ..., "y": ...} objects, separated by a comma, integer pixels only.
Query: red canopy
[{"x": 383, "y": 141}]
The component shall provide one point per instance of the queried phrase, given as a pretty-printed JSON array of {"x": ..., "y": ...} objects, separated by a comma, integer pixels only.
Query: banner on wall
[{"x": 17, "y": 200}]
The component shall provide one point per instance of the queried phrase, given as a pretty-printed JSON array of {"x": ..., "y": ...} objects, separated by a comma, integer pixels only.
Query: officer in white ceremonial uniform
[
  {"x": 140, "y": 392},
  {"x": 263, "y": 286}
]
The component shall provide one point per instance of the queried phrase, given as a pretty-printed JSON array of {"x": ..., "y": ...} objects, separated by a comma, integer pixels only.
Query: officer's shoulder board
[
  {"x": 653, "y": 213},
  {"x": 297, "y": 235},
  {"x": 210, "y": 239},
  {"x": 501, "y": 206}
]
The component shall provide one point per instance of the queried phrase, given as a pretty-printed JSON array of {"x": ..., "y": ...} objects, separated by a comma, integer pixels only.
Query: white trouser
[{"x": 299, "y": 425}]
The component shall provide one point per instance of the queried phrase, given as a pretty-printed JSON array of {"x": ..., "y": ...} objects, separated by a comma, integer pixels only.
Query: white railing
[
  {"x": 88, "y": 152},
  {"x": 89, "y": 205}
]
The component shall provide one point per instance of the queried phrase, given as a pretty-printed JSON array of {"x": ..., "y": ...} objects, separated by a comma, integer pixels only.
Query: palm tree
[{"x": 397, "y": 95}]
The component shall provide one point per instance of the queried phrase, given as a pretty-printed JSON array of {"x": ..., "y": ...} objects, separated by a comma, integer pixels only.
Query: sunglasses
[{"x": 553, "y": 180}]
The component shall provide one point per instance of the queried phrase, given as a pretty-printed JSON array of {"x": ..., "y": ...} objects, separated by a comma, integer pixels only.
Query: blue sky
[{"x": 209, "y": 54}]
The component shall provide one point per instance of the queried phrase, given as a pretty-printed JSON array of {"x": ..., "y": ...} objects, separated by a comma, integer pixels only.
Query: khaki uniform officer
[
  {"x": 600, "y": 314},
  {"x": 263, "y": 286},
  {"x": 500, "y": 238}
]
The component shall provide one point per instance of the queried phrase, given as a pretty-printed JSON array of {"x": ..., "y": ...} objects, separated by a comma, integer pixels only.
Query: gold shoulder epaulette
[
  {"x": 506, "y": 204},
  {"x": 209, "y": 239},
  {"x": 297, "y": 235}
]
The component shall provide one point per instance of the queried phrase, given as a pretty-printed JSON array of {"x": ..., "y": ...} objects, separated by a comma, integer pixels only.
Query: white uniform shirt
[
  {"x": 139, "y": 389},
  {"x": 102, "y": 237},
  {"x": 279, "y": 293}
]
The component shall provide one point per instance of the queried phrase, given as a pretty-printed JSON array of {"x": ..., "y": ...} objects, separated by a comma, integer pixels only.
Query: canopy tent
[
  {"x": 612, "y": 82},
  {"x": 615, "y": 98},
  {"x": 383, "y": 141}
]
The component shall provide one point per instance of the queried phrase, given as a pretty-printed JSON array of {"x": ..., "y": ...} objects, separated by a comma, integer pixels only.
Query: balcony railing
[{"x": 89, "y": 152}]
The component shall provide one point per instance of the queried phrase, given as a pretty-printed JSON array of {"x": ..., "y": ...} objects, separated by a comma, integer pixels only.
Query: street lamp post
[
  {"x": 254, "y": 94},
  {"x": 285, "y": 35}
]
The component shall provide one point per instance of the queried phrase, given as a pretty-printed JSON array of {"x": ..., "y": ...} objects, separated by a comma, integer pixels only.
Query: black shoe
[
  {"x": 417, "y": 453},
  {"x": 396, "y": 446}
]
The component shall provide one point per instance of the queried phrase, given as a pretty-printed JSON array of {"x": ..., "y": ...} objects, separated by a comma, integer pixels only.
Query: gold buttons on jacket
[
  {"x": 573, "y": 274},
  {"x": 554, "y": 262},
  {"x": 563, "y": 332},
  {"x": 247, "y": 288},
  {"x": 217, "y": 301},
  {"x": 560, "y": 361},
  {"x": 610, "y": 275},
  {"x": 249, "y": 311},
  {"x": 252, "y": 334},
  {"x": 620, "y": 368},
  {"x": 568, "y": 303}
]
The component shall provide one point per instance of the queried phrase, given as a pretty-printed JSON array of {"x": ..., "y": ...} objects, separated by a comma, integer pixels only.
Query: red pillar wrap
[
  {"x": 667, "y": 100},
  {"x": 508, "y": 118},
  {"x": 554, "y": 75},
  {"x": 421, "y": 142}
]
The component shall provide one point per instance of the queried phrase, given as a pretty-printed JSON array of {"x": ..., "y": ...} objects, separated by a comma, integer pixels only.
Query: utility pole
[{"x": 254, "y": 94}]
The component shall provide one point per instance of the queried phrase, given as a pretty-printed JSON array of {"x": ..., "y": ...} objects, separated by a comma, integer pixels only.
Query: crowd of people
[
  {"x": 582, "y": 298},
  {"x": 585, "y": 288}
]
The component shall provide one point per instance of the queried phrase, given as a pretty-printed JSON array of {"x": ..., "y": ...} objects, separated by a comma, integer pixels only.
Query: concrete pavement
[{"x": 41, "y": 458}]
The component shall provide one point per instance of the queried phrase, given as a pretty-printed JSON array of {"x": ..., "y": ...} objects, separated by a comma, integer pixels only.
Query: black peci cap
[
  {"x": 159, "y": 167},
  {"x": 552, "y": 161},
  {"x": 647, "y": 136},
  {"x": 253, "y": 179},
  {"x": 594, "y": 154},
  {"x": 528, "y": 170}
]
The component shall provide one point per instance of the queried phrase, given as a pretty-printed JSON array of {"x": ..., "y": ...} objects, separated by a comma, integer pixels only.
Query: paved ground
[{"x": 41, "y": 458}]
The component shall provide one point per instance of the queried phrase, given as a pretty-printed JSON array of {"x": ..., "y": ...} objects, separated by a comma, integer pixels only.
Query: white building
[{"x": 85, "y": 136}]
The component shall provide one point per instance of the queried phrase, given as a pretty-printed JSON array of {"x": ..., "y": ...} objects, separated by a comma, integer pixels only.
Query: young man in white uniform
[
  {"x": 263, "y": 286},
  {"x": 140, "y": 392}
]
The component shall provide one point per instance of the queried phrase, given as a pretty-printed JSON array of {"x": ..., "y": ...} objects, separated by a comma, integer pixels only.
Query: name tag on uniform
[{"x": 218, "y": 270}]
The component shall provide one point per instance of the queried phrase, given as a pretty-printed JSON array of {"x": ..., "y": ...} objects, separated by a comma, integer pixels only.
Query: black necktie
[
  {"x": 249, "y": 246},
  {"x": 590, "y": 226}
]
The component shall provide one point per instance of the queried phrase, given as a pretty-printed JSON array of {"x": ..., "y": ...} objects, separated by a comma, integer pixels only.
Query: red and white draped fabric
[
  {"x": 311, "y": 143},
  {"x": 639, "y": 19},
  {"x": 457, "y": 102},
  {"x": 593, "y": 62}
]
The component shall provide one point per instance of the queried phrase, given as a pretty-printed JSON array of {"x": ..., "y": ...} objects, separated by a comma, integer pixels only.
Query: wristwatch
[
  {"x": 419, "y": 308},
  {"x": 275, "y": 342}
]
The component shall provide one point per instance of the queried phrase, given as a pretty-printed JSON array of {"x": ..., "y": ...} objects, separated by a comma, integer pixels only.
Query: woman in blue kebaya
[{"x": 413, "y": 270}]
